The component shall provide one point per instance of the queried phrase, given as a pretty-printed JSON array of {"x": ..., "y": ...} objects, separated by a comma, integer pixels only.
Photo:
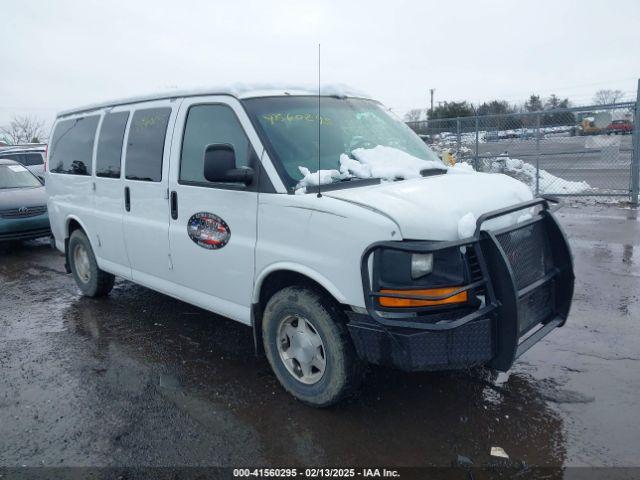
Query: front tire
[
  {"x": 91, "y": 281},
  {"x": 308, "y": 346}
]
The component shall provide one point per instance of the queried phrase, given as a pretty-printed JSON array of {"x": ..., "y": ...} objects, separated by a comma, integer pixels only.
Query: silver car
[{"x": 31, "y": 156}]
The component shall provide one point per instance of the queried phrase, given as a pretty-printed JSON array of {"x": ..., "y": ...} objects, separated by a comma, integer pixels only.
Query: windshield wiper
[
  {"x": 344, "y": 183},
  {"x": 429, "y": 172}
]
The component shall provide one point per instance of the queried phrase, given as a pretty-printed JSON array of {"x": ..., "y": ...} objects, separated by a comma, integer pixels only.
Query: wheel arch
[
  {"x": 277, "y": 277},
  {"x": 72, "y": 223},
  {"x": 292, "y": 270}
]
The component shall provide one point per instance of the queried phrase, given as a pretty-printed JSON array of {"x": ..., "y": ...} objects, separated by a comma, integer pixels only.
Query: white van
[{"x": 383, "y": 255}]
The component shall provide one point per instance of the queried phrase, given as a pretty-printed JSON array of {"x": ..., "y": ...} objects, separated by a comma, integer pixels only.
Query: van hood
[{"x": 432, "y": 208}]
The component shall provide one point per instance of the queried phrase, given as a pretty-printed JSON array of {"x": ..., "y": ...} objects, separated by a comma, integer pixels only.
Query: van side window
[
  {"x": 145, "y": 145},
  {"x": 71, "y": 147},
  {"x": 110, "y": 140},
  {"x": 207, "y": 124}
]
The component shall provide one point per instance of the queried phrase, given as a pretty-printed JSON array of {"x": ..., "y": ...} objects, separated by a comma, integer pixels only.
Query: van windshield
[
  {"x": 16, "y": 176},
  {"x": 358, "y": 139}
]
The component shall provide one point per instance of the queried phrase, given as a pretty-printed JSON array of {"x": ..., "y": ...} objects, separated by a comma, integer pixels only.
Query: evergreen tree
[{"x": 534, "y": 104}]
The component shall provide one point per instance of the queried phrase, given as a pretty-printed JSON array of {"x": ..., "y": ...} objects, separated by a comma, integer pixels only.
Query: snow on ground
[
  {"x": 600, "y": 141},
  {"x": 526, "y": 173},
  {"x": 449, "y": 139}
]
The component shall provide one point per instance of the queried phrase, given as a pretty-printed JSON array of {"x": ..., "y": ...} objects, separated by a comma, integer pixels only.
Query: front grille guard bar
[
  {"x": 501, "y": 293},
  {"x": 474, "y": 242}
]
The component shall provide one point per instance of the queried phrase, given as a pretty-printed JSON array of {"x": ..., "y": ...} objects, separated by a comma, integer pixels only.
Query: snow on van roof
[{"x": 237, "y": 90}]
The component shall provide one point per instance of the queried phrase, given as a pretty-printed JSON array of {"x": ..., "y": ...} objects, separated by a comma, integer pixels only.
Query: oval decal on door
[{"x": 208, "y": 230}]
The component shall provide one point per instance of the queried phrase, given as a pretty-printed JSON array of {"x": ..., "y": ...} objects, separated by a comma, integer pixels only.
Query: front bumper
[
  {"x": 24, "y": 228},
  {"x": 524, "y": 273}
]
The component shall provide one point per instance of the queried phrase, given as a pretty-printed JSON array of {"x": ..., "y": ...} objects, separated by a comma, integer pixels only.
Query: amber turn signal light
[{"x": 431, "y": 292}]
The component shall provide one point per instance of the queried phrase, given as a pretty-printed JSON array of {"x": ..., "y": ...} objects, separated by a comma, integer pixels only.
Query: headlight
[
  {"x": 431, "y": 274},
  {"x": 400, "y": 269},
  {"x": 421, "y": 264}
]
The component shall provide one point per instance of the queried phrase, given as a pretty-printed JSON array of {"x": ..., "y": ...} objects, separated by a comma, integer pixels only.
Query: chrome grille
[{"x": 23, "y": 212}]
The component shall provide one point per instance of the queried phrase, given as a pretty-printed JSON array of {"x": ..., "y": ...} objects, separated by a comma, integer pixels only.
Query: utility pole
[
  {"x": 635, "y": 156},
  {"x": 431, "y": 90}
]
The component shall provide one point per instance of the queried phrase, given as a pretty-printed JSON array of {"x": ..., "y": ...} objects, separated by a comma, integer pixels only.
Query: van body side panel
[
  {"x": 202, "y": 300},
  {"x": 213, "y": 233},
  {"x": 324, "y": 237},
  {"x": 69, "y": 196},
  {"x": 146, "y": 224},
  {"x": 107, "y": 224}
]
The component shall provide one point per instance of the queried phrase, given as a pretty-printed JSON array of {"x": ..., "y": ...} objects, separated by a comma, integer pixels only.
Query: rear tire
[
  {"x": 309, "y": 348},
  {"x": 91, "y": 281}
]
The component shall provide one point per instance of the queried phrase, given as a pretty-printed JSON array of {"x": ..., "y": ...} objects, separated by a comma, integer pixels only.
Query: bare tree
[
  {"x": 606, "y": 96},
  {"x": 413, "y": 115},
  {"x": 23, "y": 129}
]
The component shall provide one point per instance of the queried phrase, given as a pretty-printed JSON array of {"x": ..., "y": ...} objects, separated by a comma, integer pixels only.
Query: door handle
[
  {"x": 127, "y": 199},
  {"x": 174, "y": 205}
]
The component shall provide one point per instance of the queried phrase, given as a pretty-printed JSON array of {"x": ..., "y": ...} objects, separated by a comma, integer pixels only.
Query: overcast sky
[{"x": 59, "y": 54}]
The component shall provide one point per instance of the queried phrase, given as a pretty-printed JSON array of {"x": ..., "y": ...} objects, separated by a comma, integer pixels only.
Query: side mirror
[{"x": 220, "y": 165}]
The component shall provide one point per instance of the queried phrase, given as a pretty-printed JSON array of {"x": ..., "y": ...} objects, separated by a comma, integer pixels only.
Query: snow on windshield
[{"x": 386, "y": 163}]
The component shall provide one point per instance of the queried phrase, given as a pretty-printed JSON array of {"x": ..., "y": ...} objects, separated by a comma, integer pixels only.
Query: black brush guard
[{"x": 525, "y": 274}]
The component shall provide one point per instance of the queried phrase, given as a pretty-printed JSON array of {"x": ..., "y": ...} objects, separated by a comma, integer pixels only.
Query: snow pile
[
  {"x": 526, "y": 173},
  {"x": 601, "y": 141},
  {"x": 313, "y": 179},
  {"x": 463, "y": 167},
  {"x": 467, "y": 225},
  {"x": 350, "y": 167},
  {"x": 386, "y": 163},
  {"x": 450, "y": 139}
]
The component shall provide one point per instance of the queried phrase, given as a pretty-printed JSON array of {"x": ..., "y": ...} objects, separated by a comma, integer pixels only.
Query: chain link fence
[{"x": 583, "y": 151}]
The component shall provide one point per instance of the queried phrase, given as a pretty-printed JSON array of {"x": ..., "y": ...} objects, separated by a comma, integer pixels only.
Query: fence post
[
  {"x": 476, "y": 160},
  {"x": 537, "y": 154},
  {"x": 458, "y": 135},
  {"x": 635, "y": 156}
]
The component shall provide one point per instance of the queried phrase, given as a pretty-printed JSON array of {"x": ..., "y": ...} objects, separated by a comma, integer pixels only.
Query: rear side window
[
  {"x": 145, "y": 145},
  {"x": 71, "y": 147},
  {"x": 31, "y": 159},
  {"x": 207, "y": 124},
  {"x": 12, "y": 156},
  {"x": 110, "y": 141},
  {"x": 26, "y": 159}
]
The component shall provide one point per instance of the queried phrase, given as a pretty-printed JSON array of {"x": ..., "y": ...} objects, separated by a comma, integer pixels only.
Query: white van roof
[{"x": 238, "y": 90}]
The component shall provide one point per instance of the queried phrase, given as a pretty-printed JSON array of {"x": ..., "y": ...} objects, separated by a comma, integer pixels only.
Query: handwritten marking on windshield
[{"x": 274, "y": 118}]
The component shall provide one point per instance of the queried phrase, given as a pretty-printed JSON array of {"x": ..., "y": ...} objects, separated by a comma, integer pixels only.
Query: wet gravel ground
[{"x": 142, "y": 379}]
